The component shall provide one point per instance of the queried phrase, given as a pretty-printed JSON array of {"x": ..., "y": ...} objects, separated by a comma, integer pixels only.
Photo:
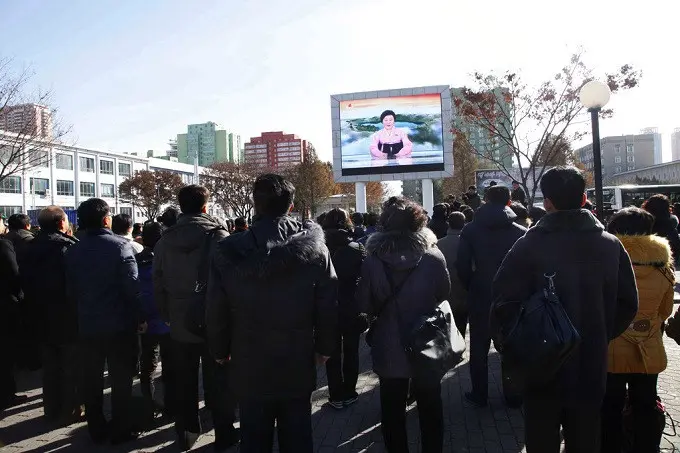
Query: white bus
[{"x": 619, "y": 197}]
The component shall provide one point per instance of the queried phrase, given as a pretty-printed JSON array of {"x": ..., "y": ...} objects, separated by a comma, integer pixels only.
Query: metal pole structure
[
  {"x": 360, "y": 191},
  {"x": 597, "y": 163},
  {"x": 428, "y": 195}
]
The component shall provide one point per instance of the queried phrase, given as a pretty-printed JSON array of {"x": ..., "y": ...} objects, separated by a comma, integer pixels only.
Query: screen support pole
[
  {"x": 360, "y": 190},
  {"x": 428, "y": 196}
]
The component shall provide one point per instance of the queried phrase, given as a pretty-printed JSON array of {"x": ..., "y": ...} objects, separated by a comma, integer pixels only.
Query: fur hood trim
[
  {"x": 647, "y": 250},
  {"x": 386, "y": 243},
  {"x": 307, "y": 246}
]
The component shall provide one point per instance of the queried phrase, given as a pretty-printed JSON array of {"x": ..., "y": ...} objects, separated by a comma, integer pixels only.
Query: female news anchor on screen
[{"x": 390, "y": 142}]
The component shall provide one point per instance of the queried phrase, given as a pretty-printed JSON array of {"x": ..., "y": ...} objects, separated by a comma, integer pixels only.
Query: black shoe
[
  {"x": 126, "y": 436},
  {"x": 224, "y": 443},
  {"x": 475, "y": 400},
  {"x": 12, "y": 401},
  {"x": 187, "y": 440},
  {"x": 513, "y": 402}
]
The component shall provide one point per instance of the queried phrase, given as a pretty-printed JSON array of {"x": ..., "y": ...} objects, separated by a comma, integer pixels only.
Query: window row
[
  {"x": 41, "y": 186},
  {"x": 65, "y": 162}
]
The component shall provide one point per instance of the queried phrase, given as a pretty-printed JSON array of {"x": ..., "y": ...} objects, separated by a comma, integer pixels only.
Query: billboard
[
  {"x": 392, "y": 134},
  {"x": 485, "y": 177}
]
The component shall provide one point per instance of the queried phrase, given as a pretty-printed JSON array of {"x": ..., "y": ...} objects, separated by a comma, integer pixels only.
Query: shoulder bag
[
  {"x": 432, "y": 343},
  {"x": 195, "y": 317}
]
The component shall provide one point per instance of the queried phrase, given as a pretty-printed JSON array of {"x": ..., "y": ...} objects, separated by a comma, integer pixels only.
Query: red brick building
[{"x": 275, "y": 150}]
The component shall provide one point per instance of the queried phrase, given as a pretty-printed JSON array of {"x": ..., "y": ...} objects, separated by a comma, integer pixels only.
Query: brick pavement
[{"x": 356, "y": 429}]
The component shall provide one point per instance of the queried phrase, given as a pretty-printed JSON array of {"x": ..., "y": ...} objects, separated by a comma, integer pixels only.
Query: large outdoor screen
[{"x": 392, "y": 135}]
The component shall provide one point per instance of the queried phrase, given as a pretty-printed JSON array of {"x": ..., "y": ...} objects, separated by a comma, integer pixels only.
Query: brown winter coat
[{"x": 640, "y": 348}]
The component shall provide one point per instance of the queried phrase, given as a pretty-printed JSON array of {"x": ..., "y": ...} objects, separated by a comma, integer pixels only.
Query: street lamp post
[{"x": 594, "y": 95}]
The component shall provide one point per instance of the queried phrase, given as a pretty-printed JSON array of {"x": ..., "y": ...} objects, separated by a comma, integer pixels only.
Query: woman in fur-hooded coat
[{"x": 403, "y": 257}]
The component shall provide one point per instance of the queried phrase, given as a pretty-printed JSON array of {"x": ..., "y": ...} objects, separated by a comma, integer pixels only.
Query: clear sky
[{"x": 130, "y": 74}]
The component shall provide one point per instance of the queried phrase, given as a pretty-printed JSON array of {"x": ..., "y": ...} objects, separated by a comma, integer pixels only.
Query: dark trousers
[
  {"x": 393, "y": 394},
  {"x": 293, "y": 419},
  {"x": 544, "y": 417},
  {"x": 480, "y": 343},
  {"x": 119, "y": 352},
  {"x": 460, "y": 318},
  {"x": 642, "y": 397},
  {"x": 7, "y": 357},
  {"x": 61, "y": 365},
  {"x": 154, "y": 347},
  {"x": 342, "y": 369},
  {"x": 218, "y": 397}
]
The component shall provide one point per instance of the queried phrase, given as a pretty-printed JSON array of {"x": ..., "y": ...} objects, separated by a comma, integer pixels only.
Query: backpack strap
[{"x": 204, "y": 263}]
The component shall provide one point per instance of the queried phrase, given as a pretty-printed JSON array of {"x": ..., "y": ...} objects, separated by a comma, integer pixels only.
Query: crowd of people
[{"x": 258, "y": 305}]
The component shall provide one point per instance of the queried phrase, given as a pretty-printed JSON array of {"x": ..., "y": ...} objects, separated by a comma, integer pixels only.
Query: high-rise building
[
  {"x": 172, "y": 152},
  {"x": 275, "y": 150},
  {"x": 209, "y": 144},
  {"x": 675, "y": 144},
  {"x": 481, "y": 140},
  {"x": 28, "y": 119},
  {"x": 623, "y": 153}
]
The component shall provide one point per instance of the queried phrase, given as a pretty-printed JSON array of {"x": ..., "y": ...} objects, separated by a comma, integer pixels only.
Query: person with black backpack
[
  {"x": 180, "y": 270},
  {"x": 591, "y": 274}
]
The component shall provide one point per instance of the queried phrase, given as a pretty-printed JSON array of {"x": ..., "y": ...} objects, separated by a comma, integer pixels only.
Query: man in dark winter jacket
[
  {"x": 55, "y": 315},
  {"x": 473, "y": 199},
  {"x": 20, "y": 234},
  {"x": 155, "y": 343},
  {"x": 27, "y": 351},
  {"x": 518, "y": 193},
  {"x": 438, "y": 224},
  {"x": 342, "y": 369},
  {"x": 483, "y": 244},
  {"x": 101, "y": 278},
  {"x": 10, "y": 293},
  {"x": 595, "y": 283},
  {"x": 272, "y": 307},
  {"x": 449, "y": 247},
  {"x": 180, "y": 256}
]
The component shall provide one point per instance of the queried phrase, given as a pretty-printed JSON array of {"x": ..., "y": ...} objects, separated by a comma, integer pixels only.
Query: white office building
[{"x": 69, "y": 175}]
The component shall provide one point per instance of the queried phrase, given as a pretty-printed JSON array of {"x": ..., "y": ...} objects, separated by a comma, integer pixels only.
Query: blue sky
[{"x": 128, "y": 75}]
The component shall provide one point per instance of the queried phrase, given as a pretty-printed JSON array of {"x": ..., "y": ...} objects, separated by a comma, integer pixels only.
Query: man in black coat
[
  {"x": 20, "y": 234},
  {"x": 595, "y": 283},
  {"x": 55, "y": 315},
  {"x": 473, "y": 199},
  {"x": 179, "y": 256},
  {"x": 483, "y": 244},
  {"x": 518, "y": 193},
  {"x": 272, "y": 313},
  {"x": 101, "y": 279},
  {"x": 10, "y": 294}
]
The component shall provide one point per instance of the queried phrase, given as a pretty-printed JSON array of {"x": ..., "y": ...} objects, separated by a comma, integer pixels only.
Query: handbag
[
  {"x": 537, "y": 341},
  {"x": 433, "y": 344},
  {"x": 195, "y": 316}
]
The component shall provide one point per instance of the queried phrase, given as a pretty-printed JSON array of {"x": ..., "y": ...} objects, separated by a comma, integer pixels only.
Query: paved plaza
[{"x": 494, "y": 429}]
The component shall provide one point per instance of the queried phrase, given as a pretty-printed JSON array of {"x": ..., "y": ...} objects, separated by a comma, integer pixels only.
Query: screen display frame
[{"x": 396, "y": 172}]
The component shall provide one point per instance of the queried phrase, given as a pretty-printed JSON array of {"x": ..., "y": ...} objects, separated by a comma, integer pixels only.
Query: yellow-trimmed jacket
[{"x": 640, "y": 348}]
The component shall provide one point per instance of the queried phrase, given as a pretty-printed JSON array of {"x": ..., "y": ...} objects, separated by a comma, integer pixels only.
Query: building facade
[
  {"x": 209, "y": 143},
  {"x": 482, "y": 141},
  {"x": 623, "y": 154},
  {"x": 668, "y": 173},
  {"x": 675, "y": 144},
  {"x": 27, "y": 119},
  {"x": 71, "y": 175},
  {"x": 275, "y": 150}
]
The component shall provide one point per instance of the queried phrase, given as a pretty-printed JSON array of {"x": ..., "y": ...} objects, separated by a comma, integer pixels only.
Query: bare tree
[
  {"x": 466, "y": 163},
  {"x": 29, "y": 127},
  {"x": 150, "y": 190},
  {"x": 231, "y": 186},
  {"x": 313, "y": 181},
  {"x": 528, "y": 125}
]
